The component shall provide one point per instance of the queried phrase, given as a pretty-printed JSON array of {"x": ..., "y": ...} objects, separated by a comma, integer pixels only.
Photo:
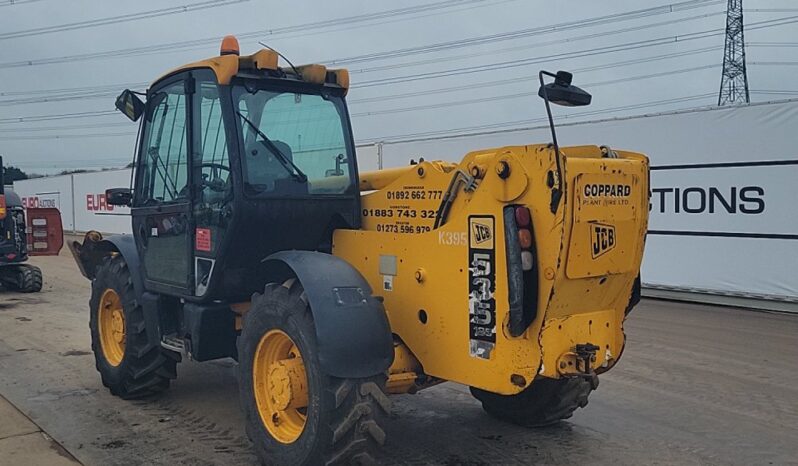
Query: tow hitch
[{"x": 580, "y": 363}]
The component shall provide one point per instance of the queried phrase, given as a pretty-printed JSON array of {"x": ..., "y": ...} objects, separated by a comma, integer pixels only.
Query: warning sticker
[{"x": 202, "y": 241}]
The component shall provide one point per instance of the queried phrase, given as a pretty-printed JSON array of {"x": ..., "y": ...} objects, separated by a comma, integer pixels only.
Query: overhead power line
[
  {"x": 561, "y": 56},
  {"x": 95, "y": 92},
  {"x": 774, "y": 92},
  {"x": 610, "y": 65},
  {"x": 16, "y": 2},
  {"x": 771, "y": 44},
  {"x": 529, "y": 32},
  {"x": 508, "y": 126},
  {"x": 603, "y": 34},
  {"x": 56, "y": 117},
  {"x": 774, "y": 63},
  {"x": 119, "y": 19},
  {"x": 525, "y": 77},
  {"x": 305, "y": 29},
  {"x": 481, "y": 40},
  {"x": 460, "y": 102},
  {"x": 526, "y": 94}
]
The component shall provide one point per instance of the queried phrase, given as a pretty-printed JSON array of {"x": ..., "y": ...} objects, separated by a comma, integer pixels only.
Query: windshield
[{"x": 294, "y": 143}]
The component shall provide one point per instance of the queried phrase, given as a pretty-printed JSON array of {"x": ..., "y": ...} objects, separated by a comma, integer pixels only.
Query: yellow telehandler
[{"x": 255, "y": 237}]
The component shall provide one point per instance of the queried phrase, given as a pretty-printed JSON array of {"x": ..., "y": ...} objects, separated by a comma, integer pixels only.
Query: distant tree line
[{"x": 11, "y": 174}]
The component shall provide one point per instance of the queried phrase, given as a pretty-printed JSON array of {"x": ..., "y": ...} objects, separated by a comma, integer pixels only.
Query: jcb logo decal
[
  {"x": 603, "y": 237},
  {"x": 481, "y": 232}
]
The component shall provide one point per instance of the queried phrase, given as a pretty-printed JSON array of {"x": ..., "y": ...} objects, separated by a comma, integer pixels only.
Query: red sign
[
  {"x": 202, "y": 241},
  {"x": 96, "y": 202},
  {"x": 35, "y": 202}
]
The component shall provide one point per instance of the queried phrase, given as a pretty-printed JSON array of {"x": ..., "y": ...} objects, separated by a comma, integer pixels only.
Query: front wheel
[
  {"x": 295, "y": 414},
  {"x": 129, "y": 365},
  {"x": 544, "y": 402}
]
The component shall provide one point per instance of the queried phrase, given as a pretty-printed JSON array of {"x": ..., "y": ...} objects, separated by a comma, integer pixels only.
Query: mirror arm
[{"x": 556, "y": 190}]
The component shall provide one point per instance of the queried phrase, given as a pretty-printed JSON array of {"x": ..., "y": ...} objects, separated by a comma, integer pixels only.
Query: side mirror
[
  {"x": 119, "y": 197},
  {"x": 562, "y": 92},
  {"x": 130, "y": 104}
]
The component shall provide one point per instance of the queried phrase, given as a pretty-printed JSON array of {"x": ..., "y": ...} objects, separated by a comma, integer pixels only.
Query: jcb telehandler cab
[{"x": 255, "y": 237}]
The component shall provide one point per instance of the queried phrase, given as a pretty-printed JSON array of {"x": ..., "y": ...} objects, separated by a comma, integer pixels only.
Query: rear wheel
[
  {"x": 30, "y": 278},
  {"x": 129, "y": 365},
  {"x": 296, "y": 414},
  {"x": 24, "y": 278},
  {"x": 544, "y": 402}
]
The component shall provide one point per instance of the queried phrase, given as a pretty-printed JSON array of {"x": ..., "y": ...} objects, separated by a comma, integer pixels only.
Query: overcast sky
[{"x": 502, "y": 95}]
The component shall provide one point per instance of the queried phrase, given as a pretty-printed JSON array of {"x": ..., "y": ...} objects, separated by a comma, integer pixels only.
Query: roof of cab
[{"x": 228, "y": 65}]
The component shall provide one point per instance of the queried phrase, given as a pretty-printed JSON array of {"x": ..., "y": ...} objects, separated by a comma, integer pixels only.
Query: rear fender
[
  {"x": 352, "y": 329},
  {"x": 90, "y": 254}
]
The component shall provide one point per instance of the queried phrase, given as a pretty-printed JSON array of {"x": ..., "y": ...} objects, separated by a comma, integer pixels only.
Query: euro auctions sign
[
  {"x": 732, "y": 199},
  {"x": 41, "y": 201},
  {"x": 97, "y": 203}
]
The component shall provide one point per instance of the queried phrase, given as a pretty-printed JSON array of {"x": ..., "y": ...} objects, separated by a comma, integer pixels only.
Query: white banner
[
  {"x": 52, "y": 191},
  {"x": 91, "y": 210}
]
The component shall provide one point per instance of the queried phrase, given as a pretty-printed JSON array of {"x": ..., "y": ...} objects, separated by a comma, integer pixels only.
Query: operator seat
[{"x": 263, "y": 168}]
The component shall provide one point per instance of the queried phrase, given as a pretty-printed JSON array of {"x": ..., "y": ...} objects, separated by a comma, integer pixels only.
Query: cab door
[{"x": 161, "y": 211}]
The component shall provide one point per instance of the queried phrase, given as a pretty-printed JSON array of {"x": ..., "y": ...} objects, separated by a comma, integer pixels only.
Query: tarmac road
[{"x": 696, "y": 385}]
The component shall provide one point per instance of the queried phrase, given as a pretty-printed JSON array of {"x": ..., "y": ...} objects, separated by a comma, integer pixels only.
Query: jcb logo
[
  {"x": 482, "y": 233},
  {"x": 603, "y": 237}
]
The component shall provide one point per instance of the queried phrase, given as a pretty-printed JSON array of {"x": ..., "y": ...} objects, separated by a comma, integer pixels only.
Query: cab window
[
  {"x": 164, "y": 154},
  {"x": 308, "y": 130}
]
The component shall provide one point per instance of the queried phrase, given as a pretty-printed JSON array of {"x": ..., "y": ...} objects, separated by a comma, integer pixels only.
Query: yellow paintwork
[
  {"x": 403, "y": 372},
  {"x": 432, "y": 266},
  {"x": 280, "y": 386},
  {"x": 111, "y": 327}
]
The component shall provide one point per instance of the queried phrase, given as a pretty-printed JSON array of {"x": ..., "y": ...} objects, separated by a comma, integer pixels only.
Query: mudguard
[
  {"x": 352, "y": 329},
  {"x": 90, "y": 254}
]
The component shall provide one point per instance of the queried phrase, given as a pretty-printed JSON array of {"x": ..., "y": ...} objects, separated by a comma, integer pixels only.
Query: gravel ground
[{"x": 697, "y": 385}]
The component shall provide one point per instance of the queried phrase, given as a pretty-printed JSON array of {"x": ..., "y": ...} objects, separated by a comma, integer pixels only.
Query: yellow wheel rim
[
  {"x": 281, "y": 386},
  {"x": 111, "y": 324}
]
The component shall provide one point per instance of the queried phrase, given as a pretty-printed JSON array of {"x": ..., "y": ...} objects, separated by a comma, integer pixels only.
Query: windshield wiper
[{"x": 287, "y": 163}]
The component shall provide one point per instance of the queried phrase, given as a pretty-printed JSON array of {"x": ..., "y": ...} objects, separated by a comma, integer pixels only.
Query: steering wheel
[{"x": 214, "y": 181}]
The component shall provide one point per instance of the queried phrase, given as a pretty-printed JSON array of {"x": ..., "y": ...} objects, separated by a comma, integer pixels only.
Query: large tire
[
  {"x": 24, "y": 278},
  {"x": 545, "y": 402},
  {"x": 30, "y": 279},
  {"x": 138, "y": 368},
  {"x": 344, "y": 418}
]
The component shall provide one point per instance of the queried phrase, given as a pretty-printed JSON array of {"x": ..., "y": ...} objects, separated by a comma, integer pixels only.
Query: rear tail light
[
  {"x": 2, "y": 206},
  {"x": 523, "y": 222},
  {"x": 522, "y": 275},
  {"x": 525, "y": 238},
  {"x": 522, "y": 217}
]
